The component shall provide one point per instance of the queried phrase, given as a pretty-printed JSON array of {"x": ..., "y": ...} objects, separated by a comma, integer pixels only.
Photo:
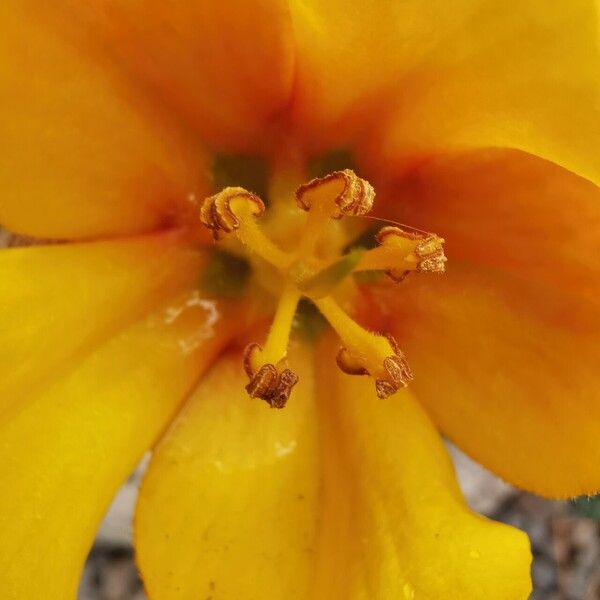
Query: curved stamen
[
  {"x": 311, "y": 272},
  {"x": 365, "y": 352},
  {"x": 270, "y": 377},
  {"x": 331, "y": 197},
  {"x": 234, "y": 210},
  {"x": 402, "y": 251}
]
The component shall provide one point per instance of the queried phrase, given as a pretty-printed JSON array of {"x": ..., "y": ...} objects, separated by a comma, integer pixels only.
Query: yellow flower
[{"x": 475, "y": 122}]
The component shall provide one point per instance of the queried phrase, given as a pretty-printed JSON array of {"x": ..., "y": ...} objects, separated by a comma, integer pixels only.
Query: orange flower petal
[
  {"x": 85, "y": 152},
  {"x": 508, "y": 210},
  {"x": 394, "y": 523},
  {"x": 525, "y": 78},
  {"x": 509, "y": 370},
  {"x": 227, "y": 69},
  {"x": 351, "y": 54},
  {"x": 233, "y": 504},
  {"x": 64, "y": 453},
  {"x": 228, "y": 505},
  {"x": 504, "y": 346},
  {"x": 58, "y": 302}
]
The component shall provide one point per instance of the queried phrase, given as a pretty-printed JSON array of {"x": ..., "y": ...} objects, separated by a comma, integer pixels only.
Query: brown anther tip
[
  {"x": 268, "y": 383},
  {"x": 384, "y": 389},
  {"x": 217, "y": 215},
  {"x": 434, "y": 263},
  {"x": 272, "y": 387},
  {"x": 432, "y": 244},
  {"x": 355, "y": 199},
  {"x": 398, "y": 370},
  {"x": 287, "y": 380},
  {"x": 429, "y": 251},
  {"x": 399, "y": 374}
]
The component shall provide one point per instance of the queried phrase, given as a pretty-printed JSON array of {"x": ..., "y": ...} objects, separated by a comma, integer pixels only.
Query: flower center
[{"x": 314, "y": 267}]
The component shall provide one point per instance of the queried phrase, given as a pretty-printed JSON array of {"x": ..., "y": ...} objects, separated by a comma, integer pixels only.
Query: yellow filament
[
  {"x": 312, "y": 270},
  {"x": 275, "y": 347},
  {"x": 317, "y": 219},
  {"x": 367, "y": 348},
  {"x": 250, "y": 234},
  {"x": 389, "y": 257}
]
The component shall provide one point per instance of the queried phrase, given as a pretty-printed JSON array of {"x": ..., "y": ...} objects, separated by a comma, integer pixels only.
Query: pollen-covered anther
[
  {"x": 268, "y": 383},
  {"x": 426, "y": 251},
  {"x": 399, "y": 375},
  {"x": 395, "y": 373},
  {"x": 346, "y": 193},
  {"x": 223, "y": 212}
]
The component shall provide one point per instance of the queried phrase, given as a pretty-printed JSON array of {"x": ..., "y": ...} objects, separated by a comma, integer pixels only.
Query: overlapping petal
[
  {"x": 394, "y": 524},
  {"x": 507, "y": 210},
  {"x": 226, "y": 69},
  {"x": 228, "y": 506},
  {"x": 524, "y": 78},
  {"x": 351, "y": 55},
  {"x": 429, "y": 76},
  {"x": 64, "y": 453},
  {"x": 233, "y": 483},
  {"x": 235, "y": 503},
  {"x": 85, "y": 153},
  {"x": 58, "y": 302},
  {"x": 509, "y": 370},
  {"x": 504, "y": 346}
]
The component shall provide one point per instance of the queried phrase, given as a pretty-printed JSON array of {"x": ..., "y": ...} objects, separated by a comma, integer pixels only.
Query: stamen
[
  {"x": 313, "y": 272},
  {"x": 234, "y": 210},
  {"x": 270, "y": 377},
  {"x": 217, "y": 212},
  {"x": 279, "y": 334},
  {"x": 401, "y": 252},
  {"x": 365, "y": 352},
  {"x": 271, "y": 386},
  {"x": 352, "y": 195},
  {"x": 331, "y": 197}
]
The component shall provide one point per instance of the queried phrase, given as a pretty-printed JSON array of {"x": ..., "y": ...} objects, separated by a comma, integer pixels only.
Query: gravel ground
[{"x": 566, "y": 546}]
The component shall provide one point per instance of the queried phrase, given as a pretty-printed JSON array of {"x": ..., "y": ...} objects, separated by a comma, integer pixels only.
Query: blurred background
[{"x": 565, "y": 538}]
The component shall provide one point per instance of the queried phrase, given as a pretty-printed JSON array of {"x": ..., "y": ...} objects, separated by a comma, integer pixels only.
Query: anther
[
  {"x": 400, "y": 252},
  {"x": 311, "y": 271},
  {"x": 348, "y": 193},
  {"x": 395, "y": 374},
  {"x": 425, "y": 251},
  {"x": 399, "y": 373},
  {"x": 218, "y": 212},
  {"x": 234, "y": 210},
  {"x": 268, "y": 383}
]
